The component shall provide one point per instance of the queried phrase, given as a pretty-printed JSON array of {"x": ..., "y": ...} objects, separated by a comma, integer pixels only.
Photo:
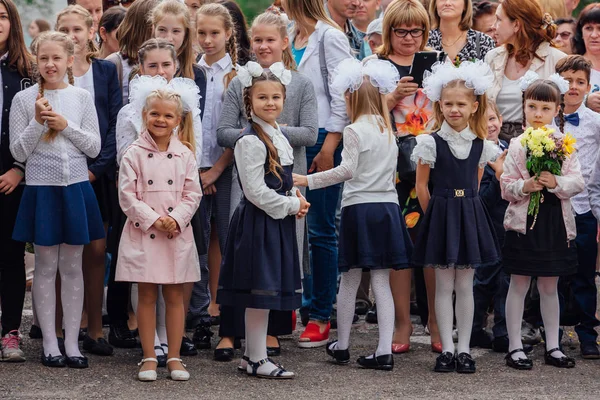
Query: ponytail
[
  {"x": 231, "y": 48},
  {"x": 561, "y": 114}
]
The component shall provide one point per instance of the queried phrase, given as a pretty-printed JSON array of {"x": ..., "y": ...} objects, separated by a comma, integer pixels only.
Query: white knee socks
[{"x": 67, "y": 260}]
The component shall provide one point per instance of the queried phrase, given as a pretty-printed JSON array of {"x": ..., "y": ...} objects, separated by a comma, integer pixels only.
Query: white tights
[
  {"x": 549, "y": 307},
  {"x": 65, "y": 259},
  {"x": 459, "y": 281},
  {"x": 380, "y": 282}
]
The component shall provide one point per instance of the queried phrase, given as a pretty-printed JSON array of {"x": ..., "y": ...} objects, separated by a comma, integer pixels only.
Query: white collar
[
  {"x": 223, "y": 63},
  {"x": 285, "y": 150},
  {"x": 268, "y": 128},
  {"x": 447, "y": 133}
]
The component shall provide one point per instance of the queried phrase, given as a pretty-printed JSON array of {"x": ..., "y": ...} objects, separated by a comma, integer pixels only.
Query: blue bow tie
[{"x": 573, "y": 119}]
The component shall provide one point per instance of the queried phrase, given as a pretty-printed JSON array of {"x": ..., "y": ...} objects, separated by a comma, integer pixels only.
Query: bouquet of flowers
[{"x": 545, "y": 152}]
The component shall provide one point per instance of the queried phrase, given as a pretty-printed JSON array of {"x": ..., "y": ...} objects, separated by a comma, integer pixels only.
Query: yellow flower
[{"x": 569, "y": 144}]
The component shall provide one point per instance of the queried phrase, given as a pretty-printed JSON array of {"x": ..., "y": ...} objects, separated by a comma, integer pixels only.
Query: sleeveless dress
[
  {"x": 456, "y": 231},
  {"x": 261, "y": 267}
]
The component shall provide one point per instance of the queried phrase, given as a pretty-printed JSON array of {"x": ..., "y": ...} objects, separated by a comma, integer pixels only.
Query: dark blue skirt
[
  {"x": 260, "y": 267},
  {"x": 373, "y": 236},
  {"x": 52, "y": 215}
]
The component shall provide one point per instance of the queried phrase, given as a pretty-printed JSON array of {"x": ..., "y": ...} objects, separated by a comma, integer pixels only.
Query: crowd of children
[{"x": 191, "y": 171}]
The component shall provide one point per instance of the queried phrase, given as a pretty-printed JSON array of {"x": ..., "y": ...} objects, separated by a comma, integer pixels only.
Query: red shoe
[
  {"x": 436, "y": 347},
  {"x": 399, "y": 348},
  {"x": 312, "y": 336},
  {"x": 294, "y": 320}
]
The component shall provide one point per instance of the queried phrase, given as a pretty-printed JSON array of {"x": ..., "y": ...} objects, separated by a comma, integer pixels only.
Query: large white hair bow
[
  {"x": 350, "y": 74},
  {"x": 476, "y": 75},
  {"x": 140, "y": 88},
  {"x": 187, "y": 90},
  {"x": 530, "y": 77},
  {"x": 253, "y": 70}
]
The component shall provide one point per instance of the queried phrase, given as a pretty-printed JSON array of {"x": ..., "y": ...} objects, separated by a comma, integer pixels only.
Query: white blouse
[
  {"x": 250, "y": 155},
  {"x": 86, "y": 81},
  {"x": 460, "y": 144},
  {"x": 62, "y": 161}
]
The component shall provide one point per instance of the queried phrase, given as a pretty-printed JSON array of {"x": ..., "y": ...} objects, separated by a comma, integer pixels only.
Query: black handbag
[{"x": 407, "y": 169}]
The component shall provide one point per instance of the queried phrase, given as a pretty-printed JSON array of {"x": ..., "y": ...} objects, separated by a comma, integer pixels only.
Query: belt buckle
[{"x": 459, "y": 192}]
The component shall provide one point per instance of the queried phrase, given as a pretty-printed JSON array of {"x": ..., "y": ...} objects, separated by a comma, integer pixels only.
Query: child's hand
[
  {"x": 169, "y": 224},
  {"x": 10, "y": 180},
  {"x": 209, "y": 177},
  {"x": 41, "y": 104},
  {"x": 532, "y": 185},
  {"x": 300, "y": 180},
  {"x": 304, "y": 205},
  {"x": 159, "y": 224},
  {"x": 210, "y": 190},
  {"x": 547, "y": 179},
  {"x": 498, "y": 165},
  {"x": 55, "y": 121}
]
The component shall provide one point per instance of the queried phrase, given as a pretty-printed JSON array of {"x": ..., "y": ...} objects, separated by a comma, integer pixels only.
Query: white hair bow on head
[
  {"x": 187, "y": 90},
  {"x": 141, "y": 86},
  {"x": 350, "y": 74},
  {"x": 530, "y": 77},
  {"x": 253, "y": 70},
  {"x": 476, "y": 75}
]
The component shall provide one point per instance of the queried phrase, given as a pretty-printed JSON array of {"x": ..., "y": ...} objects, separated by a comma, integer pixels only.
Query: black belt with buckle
[{"x": 449, "y": 193}]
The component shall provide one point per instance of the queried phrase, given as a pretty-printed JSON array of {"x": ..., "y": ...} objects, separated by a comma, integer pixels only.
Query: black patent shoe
[
  {"x": 98, "y": 347},
  {"x": 120, "y": 336},
  {"x": 562, "y": 362},
  {"x": 77, "y": 362},
  {"x": 383, "y": 363},
  {"x": 445, "y": 362},
  {"x": 53, "y": 361},
  {"x": 520, "y": 363},
  {"x": 371, "y": 316},
  {"x": 341, "y": 357},
  {"x": 465, "y": 364},
  {"x": 225, "y": 354},
  {"x": 187, "y": 348},
  {"x": 202, "y": 337},
  {"x": 274, "y": 351}
]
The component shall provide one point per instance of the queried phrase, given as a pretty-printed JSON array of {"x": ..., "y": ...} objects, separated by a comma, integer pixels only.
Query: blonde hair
[
  {"x": 556, "y": 8},
  {"x": 275, "y": 167},
  {"x": 92, "y": 49},
  {"x": 66, "y": 42},
  {"x": 466, "y": 21},
  {"x": 477, "y": 121},
  {"x": 218, "y": 10},
  {"x": 276, "y": 21},
  {"x": 135, "y": 29},
  {"x": 185, "y": 129},
  {"x": 367, "y": 100},
  {"x": 309, "y": 9},
  {"x": 399, "y": 13},
  {"x": 185, "y": 54}
]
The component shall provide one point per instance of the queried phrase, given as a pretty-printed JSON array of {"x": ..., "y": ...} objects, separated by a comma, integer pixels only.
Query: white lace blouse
[
  {"x": 62, "y": 161},
  {"x": 250, "y": 155},
  {"x": 460, "y": 145},
  {"x": 129, "y": 127}
]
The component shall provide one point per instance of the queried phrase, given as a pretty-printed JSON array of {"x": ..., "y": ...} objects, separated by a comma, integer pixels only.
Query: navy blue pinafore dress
[
  {"x": 456, "y": 231},
  {"x": 260, "y": 267}
]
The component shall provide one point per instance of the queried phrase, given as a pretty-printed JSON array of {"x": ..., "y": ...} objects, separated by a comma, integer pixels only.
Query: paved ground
[{"x": 412, "y": 378}]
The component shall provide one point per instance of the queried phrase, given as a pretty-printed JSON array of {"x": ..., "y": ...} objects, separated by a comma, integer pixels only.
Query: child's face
[
  {"x": 578, "y": 87},
  {"x": 268, "y": 45},
  {"x": 161, "y": 118},
  {"x": 32, "y": 29},
  {"x": 458, "y": 104},
  {"x": 53, "y": 61},
  {"x": 494, "y": 124},
  {"x": 171, "y": 28},
  {"x": 193, "y": 6},
  {"x": 159, "y": 62},
  {"x": 74, "y": 26},
  {"x": 267, "y": 100},
  {"x": 540, "y": 113},
  {"x": 212, "y": 35}
]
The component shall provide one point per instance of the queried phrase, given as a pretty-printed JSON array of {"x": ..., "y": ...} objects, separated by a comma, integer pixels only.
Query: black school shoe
[
  {"x": 272, "y": 351},
  {"x": 384, "y": 362},
  {"x": 562, "y": 362},
  {"x": 341, "y": 357},
  {"x": 371, "y": 316},
  {"x": 77, "y": 362},
  {"x": 523, "y": 364},
  {"x": 445, "y": 362},
  {"x": 202, "y": 337},
  {"x": 98, "y": 347},
  {"x": 53, "y": 361},
  {"x": 589, "y": 351},
  {"x": 120, "y": 336},
  {"x": 362, "y": 307},
  {"x": 187, "y": 348},
  {"x": 481, "y": 339},
  {"x": 465, "y": 364}
]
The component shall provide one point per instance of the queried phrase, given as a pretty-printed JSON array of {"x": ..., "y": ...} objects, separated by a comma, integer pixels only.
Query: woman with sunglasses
[{"x": 452, "y": 21}]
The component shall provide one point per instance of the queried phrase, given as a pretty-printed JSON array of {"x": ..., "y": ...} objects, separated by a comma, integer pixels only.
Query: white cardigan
[{"x": 332, "y": 116}]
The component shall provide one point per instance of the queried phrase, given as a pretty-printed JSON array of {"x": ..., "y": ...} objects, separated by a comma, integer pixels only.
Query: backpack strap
[{"x": 323, "y": 64}]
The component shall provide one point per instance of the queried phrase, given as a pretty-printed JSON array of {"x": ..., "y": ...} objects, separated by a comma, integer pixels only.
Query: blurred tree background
[{"x": 253, "y": 7}]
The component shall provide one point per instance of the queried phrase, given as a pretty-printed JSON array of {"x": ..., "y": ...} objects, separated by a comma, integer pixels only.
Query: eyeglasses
[
  {"x": 564, "y": 35},
  {"x": 402, "y": 33}
]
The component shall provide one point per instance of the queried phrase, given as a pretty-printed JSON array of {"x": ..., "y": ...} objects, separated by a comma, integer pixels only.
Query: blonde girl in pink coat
[{"x": 159, "y": 192}]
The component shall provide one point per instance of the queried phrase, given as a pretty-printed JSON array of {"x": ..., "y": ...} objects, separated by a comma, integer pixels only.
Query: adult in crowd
[
  {"x": 484, "y": 16},
  {"x": 524, "y": 35},
  {"x": 385, "y": 4},
  {"x": 565, "y": 31},
  {"x": 570, "y": 6},
  {"x": 109, "y": 23},
  {"x": 318, "y": 46},
  {"x": 405, "y": 32},
  {"x": 587, "y": 43},
  {"x": 94, "y": 7},
  {"x": 366, "y": 12},
  {"x": 342, "y": 12},
  {"x": 451, "y": 22},
  {"x": 36, "y": 27},
  {"x": 556, "y": 8}
]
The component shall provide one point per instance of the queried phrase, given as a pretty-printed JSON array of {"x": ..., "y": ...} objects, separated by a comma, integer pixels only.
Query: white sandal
[
  {"x": 149, "y": 375},
  {"x": 178, "y": 375}
]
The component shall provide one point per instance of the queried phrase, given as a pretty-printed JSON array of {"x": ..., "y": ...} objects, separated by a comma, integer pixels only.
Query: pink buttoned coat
[{"x": 153, "y": 184}]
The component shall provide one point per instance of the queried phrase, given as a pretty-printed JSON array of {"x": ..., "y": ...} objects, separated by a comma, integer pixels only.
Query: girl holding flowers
[{"x": 541, "y": 174}]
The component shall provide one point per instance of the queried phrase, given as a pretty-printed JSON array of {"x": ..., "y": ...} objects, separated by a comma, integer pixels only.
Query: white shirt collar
[
  {"x": 223, "y": 63},
  {"x": 448, "y": 133},
  {"x": 285, "y": 150}
]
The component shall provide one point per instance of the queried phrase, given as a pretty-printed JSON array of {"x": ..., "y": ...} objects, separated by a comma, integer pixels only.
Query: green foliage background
[{"x": 253, "y": 7}]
